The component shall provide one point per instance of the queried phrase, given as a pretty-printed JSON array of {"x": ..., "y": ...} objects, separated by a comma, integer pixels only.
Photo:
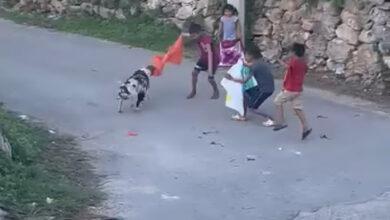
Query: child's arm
[
  {"x": 238, "y": 30},
  {"x": 220, "y": 31},
  {"x": 284, "y": 64},
  {"x": 210, "y": 59},
  {"x": 228, "y": 76},
  {"x": 237, "y": 80},
  {"x": 244, "y": 80}
]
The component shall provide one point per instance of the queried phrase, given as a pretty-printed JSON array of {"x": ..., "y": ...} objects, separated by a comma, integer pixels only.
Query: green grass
[
  {"x": 43, "y": 166},
  {"x": 142, "y": 31}
]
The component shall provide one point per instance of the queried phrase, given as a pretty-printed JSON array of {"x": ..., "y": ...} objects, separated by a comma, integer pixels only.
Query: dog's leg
[
  {"x": 147, "y": 96},
  {"x": 140, "y": 99},
  {"x": 120, "y": 105},
  {"x": 132, "y": 101}
]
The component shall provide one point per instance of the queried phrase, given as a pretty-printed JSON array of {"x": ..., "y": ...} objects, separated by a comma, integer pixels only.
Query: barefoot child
[
  {"x": 208, "y": 60},
  {"x": 292, "y": 89}
]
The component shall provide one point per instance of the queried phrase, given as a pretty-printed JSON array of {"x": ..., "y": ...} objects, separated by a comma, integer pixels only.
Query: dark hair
[
  {"x": 229, "y": 7},
  {"x": 298, "y": 49},
  {"x": 253, "y": 51},
  {"x": 194, "y": 28}
]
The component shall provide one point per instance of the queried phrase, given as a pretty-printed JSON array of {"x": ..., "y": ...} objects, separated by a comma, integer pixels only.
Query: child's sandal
[
  {"x": 238, "y": 118},
  {"x": 269, "y": 123}
]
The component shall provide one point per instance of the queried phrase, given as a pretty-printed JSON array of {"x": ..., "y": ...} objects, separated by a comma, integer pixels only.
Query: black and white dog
[{"x": 135, "y": 88}]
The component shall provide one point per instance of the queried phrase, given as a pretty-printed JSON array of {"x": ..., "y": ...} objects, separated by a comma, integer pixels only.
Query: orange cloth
[{"x": 174, "y": 56}]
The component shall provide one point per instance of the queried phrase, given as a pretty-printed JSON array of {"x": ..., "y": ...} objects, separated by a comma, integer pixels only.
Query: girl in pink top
[{"x": 229, "y": 37}]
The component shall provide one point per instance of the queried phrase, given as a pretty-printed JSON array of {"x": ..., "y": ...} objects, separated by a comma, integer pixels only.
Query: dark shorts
[
  {"x": 203, "y": 66},
  {"x": 255, "y": 97}
]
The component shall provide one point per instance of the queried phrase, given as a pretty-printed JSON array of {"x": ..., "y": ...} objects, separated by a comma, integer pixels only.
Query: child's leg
[
  {"x": 248, "y": 96},
  {"x": 195, "y": 74},
  {"x": 214, "y": 86},
  {"x": 280, "y": 122},
  {"x": 302, "y": 119},
  {"x": 279, "y": 116},
  {"x": 238, "y": 116},
  {"x": 298, "y": 108},
  {"x": 245, "y": 106}
]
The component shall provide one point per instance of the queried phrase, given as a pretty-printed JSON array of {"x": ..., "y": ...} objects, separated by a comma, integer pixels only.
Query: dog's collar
[{"x": 147, "y": 71}]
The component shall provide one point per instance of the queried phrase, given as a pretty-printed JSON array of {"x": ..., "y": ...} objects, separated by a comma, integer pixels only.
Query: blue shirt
[{"x": 263, "y": 75}]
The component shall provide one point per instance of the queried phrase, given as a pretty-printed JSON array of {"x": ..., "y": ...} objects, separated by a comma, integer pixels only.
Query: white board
[{"x": 234, "y": 93}]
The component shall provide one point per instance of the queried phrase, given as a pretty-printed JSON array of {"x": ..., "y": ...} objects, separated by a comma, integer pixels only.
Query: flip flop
[
  {"x": 306, "y": 133},
  {"x": 279, "y": 127},
  {"x": 238, "y": 118}
]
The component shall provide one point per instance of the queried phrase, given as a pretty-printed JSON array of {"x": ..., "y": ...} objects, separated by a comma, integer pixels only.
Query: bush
[{"x": 44, "y": 168}]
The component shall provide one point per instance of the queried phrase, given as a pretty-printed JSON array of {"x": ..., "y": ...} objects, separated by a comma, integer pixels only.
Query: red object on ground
[
  {"x": 174, "y": 55},
  {"x": 131, "y": 134}
]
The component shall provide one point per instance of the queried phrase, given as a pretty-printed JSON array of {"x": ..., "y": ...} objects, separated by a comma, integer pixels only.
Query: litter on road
[
  {"x": 210, "y": 132},
  {"x": 132, "y": 134},
  {"x": 322, "y": 117},
  {"x": 23, "y": 117},
  {"x": 298, "y": 153},
  {"x": 251, "y": 157},
  {"x": 266, "y": 173},
  {"x": 216, "y": 144},
  {"x": 169, "y": 197},
  {"x": 49, "y": 200}
]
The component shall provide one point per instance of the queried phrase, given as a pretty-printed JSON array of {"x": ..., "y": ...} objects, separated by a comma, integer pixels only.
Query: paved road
[{"x": 170, "y": 170}]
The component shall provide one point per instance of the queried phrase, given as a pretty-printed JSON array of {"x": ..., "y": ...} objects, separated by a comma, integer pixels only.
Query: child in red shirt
[
  {"x": 291, "y": 91},
  {"x": 208, "y": 60}
]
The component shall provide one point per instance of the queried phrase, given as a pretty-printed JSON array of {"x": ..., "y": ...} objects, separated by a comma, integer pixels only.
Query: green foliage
[
  {"x": 338, "y": 3},
  {"x": 142, "y": 31},
  {"x": 39, "y": 170}
]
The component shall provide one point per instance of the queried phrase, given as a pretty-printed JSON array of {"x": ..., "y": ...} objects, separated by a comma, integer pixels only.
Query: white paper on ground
[{"x": 234, "y": 94}]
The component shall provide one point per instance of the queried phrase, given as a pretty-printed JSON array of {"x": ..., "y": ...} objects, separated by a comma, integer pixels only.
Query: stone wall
[
  {"x": 348, "y": 43},
  {"x": 177, "y": 12},
  {"x": 205, "y": 12}
]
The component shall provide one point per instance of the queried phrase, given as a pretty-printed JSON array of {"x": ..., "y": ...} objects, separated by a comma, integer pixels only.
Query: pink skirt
[{"x": 230, "y": 51}]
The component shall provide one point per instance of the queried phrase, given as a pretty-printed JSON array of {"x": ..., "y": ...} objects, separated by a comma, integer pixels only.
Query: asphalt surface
[{"x": 189, "y": 160}]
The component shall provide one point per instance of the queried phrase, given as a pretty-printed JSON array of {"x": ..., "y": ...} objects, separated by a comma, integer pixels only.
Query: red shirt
[
  {"x": 205, "y": 40},
  {"x": 295, "y": 75}
]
